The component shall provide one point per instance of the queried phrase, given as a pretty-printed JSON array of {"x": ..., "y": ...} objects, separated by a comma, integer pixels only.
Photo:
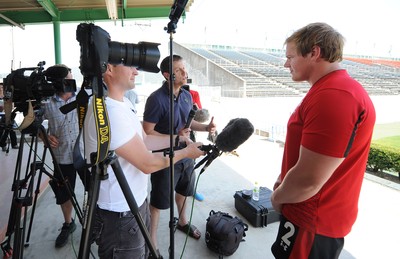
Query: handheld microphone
[
  {"x": 192, "y": 113},
  {"x": 235, "y": 133}
]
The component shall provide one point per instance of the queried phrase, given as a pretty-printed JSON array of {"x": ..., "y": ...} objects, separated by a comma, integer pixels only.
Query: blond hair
[{"x": 322, "y": 35}]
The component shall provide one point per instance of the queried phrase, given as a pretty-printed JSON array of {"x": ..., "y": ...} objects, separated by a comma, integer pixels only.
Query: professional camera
[
  {"x": 35, "y": 84},
  {"x": 97, "y": 50}
]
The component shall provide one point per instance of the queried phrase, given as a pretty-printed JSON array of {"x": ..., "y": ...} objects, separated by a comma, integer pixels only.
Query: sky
[{"x": 370, "y": 27}]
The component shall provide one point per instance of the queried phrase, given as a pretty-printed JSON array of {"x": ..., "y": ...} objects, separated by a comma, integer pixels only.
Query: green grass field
[{"x": 387, "y": 134}]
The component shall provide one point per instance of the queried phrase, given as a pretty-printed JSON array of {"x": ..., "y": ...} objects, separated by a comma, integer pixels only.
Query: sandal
[{"x": 190, "y": 229}]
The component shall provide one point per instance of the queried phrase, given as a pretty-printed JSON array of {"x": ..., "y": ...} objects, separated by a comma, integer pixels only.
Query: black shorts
[
  {"x": 64, "y": 189},
  {"x": 184, "y": 178},
  {"x": 295, "y": 242}
]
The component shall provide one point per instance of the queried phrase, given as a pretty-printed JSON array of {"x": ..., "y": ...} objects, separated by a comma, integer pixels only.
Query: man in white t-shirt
[{"x": 116, "y": 230}]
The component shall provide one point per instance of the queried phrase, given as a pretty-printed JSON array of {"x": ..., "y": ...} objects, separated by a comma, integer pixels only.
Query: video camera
[{"x": 35, "y": 84}]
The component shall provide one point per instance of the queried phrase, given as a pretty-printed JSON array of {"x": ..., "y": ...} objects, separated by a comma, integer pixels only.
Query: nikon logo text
[
  {"x": 101, "y": 117},
  {"x": 82, "y": 113},
  {"x": 100, "y": 111}
]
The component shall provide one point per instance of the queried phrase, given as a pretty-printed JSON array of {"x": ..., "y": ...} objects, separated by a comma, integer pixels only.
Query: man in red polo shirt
[{"x": 326, "y": 149}]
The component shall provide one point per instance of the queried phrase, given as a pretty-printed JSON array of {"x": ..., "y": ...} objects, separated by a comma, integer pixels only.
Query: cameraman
[
  {"x": 6, "y": 130},
  {"x": 63, "y": 130}
]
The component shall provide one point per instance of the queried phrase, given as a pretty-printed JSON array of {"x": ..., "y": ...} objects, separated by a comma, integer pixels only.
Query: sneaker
[
  {"x": 66, "y": 229},
  {"x": 4, "y": 148},
  {"x": 199, "y": 196},
  {"x": 15, "y": 147}
]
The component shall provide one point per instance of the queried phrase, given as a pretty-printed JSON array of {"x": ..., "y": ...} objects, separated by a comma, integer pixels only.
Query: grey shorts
[{"x": 118, "y": 234}]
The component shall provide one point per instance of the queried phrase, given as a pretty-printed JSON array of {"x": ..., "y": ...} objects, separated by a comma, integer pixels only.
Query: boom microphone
[
  {"x": 235, "y": 133},
  {"x": 177, "y": 9}
]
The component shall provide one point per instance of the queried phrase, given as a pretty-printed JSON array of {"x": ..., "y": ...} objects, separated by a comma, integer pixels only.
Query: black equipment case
[{"x": 259, "y": 213}]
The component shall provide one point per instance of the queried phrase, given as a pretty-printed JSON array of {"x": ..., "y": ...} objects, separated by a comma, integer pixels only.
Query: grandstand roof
[{"x": 21, "y": 12}]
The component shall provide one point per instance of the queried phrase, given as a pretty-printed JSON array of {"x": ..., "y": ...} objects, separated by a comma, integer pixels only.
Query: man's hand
[
  {"x": 212, "y": 127},
  {"x": 53, "y": 141},
  {"x": 277, "y": 183},
  {"x": 275, "y": 205},
  {"x": 193, "y": 150},
  {"x": 186, "y": 140},
  {"x": 185, "y": 132}
]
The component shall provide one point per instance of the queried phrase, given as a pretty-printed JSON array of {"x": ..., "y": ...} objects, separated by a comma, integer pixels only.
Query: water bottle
[{"x": 256, "y": 192}]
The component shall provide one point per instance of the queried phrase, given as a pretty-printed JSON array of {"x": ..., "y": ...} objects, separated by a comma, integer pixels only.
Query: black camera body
[{"x": 97, "y": 50}]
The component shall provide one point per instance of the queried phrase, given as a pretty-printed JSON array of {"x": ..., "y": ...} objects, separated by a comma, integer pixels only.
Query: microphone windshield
[
  {"x": 235, "y": 133},
  {"x": 57, "y": 72},
  {"x": 202, "y": 115}
]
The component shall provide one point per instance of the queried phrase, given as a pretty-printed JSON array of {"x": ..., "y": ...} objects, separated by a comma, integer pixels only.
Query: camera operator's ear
[
  {"x": 108, "y": 70},
  {"x": 166, "y": 75},
  {"x": 109, "y": 66}
]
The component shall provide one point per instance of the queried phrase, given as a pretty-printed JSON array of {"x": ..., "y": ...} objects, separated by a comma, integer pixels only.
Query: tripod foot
[
  {"x": 158, "y": 256},
  {"x": 7, "y": 251}
]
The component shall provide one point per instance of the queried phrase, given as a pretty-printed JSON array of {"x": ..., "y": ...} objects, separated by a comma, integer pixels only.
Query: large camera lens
[{"x": 144, "y": 55}]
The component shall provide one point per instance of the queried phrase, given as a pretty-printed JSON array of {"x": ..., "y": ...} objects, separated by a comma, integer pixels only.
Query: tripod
[
  {"x": 100, "y": 173},
  {"x": 23, "y": 190}
]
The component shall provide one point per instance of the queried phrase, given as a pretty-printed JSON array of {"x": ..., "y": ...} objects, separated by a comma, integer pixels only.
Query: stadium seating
[{"x": 265, "y": 75}]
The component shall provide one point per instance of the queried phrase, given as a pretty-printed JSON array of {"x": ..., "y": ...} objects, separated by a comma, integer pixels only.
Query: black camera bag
[{"x": 224, "y": 232}]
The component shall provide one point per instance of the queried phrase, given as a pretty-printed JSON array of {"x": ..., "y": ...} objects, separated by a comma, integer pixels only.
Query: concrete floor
[{"x": 375, "y": 234}]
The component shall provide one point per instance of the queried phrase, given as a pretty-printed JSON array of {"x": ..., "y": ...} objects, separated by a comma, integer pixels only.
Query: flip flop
[
  {"x": 191, "y": 229},
  {"x": 199, "y": 196}
]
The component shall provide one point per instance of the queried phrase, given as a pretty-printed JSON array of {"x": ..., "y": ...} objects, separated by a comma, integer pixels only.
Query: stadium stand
[{"x": 264, "y": 74}]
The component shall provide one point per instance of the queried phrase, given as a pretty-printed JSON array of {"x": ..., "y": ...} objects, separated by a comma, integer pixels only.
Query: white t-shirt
[
  {"x": 124, "y": 125},
  {"x": 133, "y": 97}
]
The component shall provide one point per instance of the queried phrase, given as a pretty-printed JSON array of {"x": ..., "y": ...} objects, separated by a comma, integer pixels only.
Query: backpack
[{"x": 224, "y": 233}]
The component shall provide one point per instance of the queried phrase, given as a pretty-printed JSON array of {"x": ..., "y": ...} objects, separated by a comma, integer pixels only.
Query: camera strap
[
  {"x": 102, "y": 128},
  {"x": 8, "y": 107},
  {"x": 82, "y": 100},
  {"x": 29, "y": 118}
]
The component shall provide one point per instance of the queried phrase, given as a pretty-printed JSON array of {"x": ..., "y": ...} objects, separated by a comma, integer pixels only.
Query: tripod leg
[
  {"x": 71, "y": 193},
  {"x": 22, "y": 202},
  {"x": 87, "y": 221},
  {"x": 15, "y": 210},
  {"x": 37, "y": 191},
  {"x": 133, "y": 206},
  {"x": 33, "y": 167},
  {"x": 99, "y": 174},
  {"x": 6, "y": 244},
  {"x": 19, "y": 234}
]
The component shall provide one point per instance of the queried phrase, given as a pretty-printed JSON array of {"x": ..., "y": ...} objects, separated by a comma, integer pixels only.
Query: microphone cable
[{"x": 191, "y": 213}]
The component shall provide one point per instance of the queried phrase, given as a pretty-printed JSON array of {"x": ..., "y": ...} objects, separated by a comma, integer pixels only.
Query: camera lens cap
[{"x": 247, "y": 194}]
